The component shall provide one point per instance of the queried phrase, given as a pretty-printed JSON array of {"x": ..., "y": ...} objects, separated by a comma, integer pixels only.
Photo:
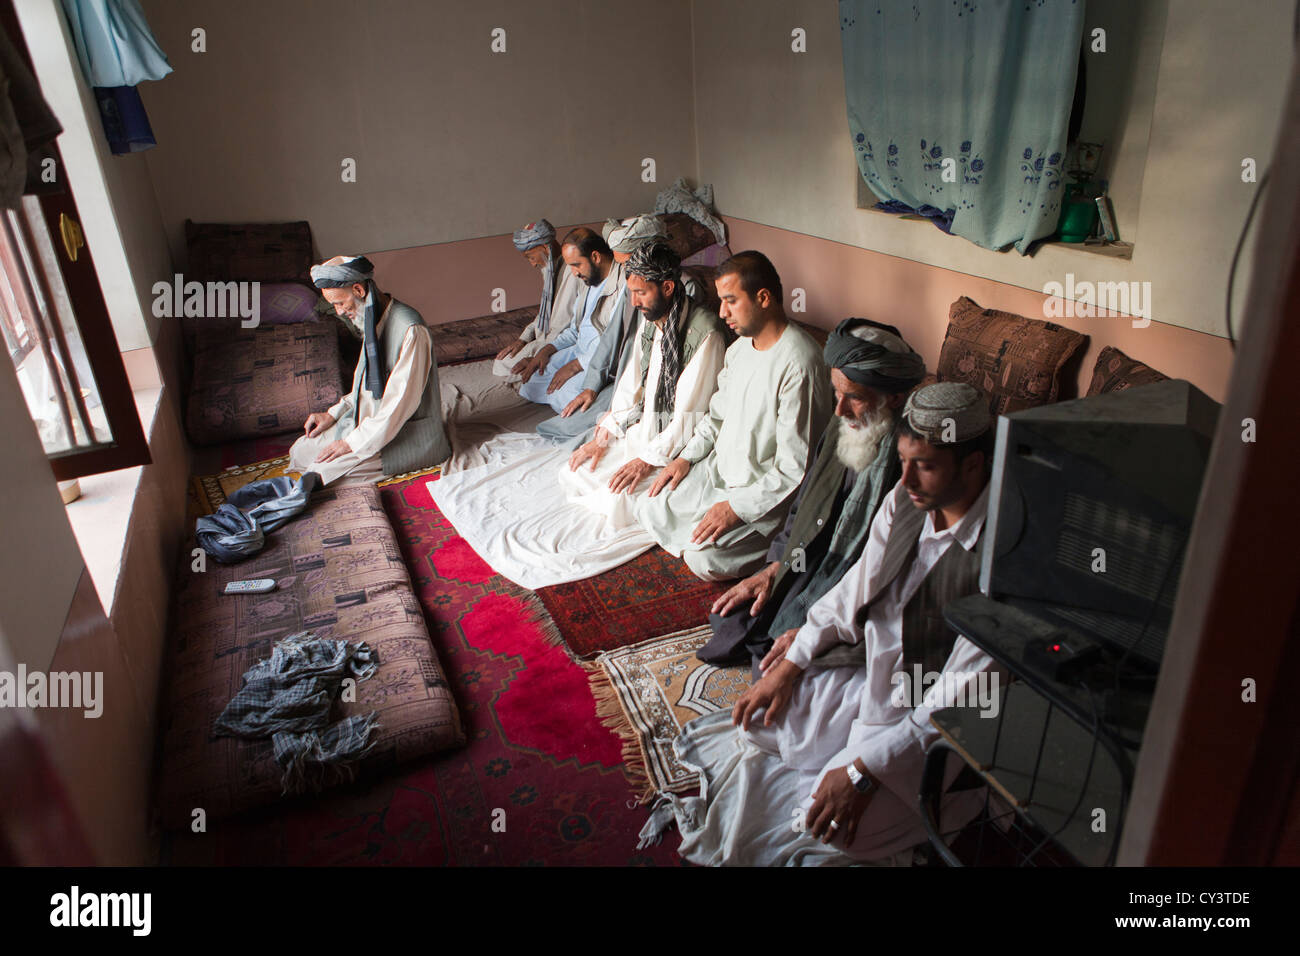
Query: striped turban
[
  {"x": 533, "y": 235},
  {"x": 342, "y": 274}
]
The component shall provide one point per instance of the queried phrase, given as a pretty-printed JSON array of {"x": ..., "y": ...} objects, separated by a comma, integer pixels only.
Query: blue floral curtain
[{"x": 958, "y": 109}]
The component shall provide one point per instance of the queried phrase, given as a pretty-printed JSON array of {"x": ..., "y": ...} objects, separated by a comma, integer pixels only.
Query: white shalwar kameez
[
  {"x": 751, "y": 450},
  {"x": 755, "y": 779},
  {"x": 538, "y": 523},
  {"x": 378, "y": 419},
  {"x": 695, "y": 386}
]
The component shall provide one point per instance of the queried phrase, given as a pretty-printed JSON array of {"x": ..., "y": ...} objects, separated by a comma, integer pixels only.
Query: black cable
[
  {"x": 1236, "y": 255},
  {"x": 1083, "y": 788}
]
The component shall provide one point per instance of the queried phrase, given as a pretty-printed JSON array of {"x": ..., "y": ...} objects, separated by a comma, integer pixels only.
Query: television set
[{"x": 1091, "y": 504}]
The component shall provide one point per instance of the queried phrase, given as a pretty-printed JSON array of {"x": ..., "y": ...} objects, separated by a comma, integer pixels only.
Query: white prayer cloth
[
  {"x": 378, "y": 420},
  {"x": 476, "y": 407},
  {"x": 751, "y": 450},
  {"x": 837, "y": 715},
  {"x": 539, "y": 523}
]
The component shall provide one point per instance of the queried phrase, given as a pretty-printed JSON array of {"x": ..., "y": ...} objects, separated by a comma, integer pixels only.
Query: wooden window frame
[{"x": 129, "y": 446}]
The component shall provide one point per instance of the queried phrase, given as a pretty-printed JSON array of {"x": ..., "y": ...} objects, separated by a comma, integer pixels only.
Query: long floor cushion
[{"x": 340, "y": 574}]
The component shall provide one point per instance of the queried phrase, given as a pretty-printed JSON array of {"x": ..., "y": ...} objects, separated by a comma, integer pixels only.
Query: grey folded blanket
[{"x": 288, "y": 697}]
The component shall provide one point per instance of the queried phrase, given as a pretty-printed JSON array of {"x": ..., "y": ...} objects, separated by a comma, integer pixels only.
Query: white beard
[{"x": 860, "y": 441}]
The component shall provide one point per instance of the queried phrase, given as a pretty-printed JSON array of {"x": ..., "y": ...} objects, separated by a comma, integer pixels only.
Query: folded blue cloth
[{"x": 239, "y": 527}]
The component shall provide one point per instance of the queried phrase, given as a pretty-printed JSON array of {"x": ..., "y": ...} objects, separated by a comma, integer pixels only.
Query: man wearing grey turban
[
  {"x": 839, "y": 723},
  {"x": 560, "y": 287},
  {"x": 391, "y": 421},
  {"x": 579, "y": 416},
  {"x": 872, "y": 370}
]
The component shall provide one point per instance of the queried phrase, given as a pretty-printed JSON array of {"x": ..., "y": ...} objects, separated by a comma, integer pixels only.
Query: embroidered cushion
[
  {"x": 1017, "y": 361},
  {"x": 1115, "y": 372}
]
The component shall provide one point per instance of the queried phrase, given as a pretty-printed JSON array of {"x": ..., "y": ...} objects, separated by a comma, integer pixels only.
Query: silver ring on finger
[{"x": 835, "y": 825}]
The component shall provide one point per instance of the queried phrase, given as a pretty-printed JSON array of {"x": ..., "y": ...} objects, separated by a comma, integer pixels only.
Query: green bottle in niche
[{"x": 1078, "y": 214}]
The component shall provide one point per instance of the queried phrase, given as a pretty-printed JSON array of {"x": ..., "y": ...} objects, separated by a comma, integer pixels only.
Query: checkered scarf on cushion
[{"x": 288, "y": 697}]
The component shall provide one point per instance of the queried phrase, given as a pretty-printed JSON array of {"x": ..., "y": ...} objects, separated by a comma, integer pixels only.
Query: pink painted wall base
[{"x": 456, "y": 280}]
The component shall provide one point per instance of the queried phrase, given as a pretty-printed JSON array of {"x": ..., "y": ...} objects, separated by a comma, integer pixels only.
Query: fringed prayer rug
[
  {"x": 646, "y": 694},
  {"x": 540, "y": 781},
  {"x": 651, "y": 595}
]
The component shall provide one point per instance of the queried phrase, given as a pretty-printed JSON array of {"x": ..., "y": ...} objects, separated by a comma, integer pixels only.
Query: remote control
[{"x": 255, "y": 586}]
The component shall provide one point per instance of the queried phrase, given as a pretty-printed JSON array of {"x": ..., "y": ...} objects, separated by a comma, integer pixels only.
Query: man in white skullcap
[
  {"x": 391, "y": 421},
  {"x": 833, "y": 727},
  {"x": 560, "y": 289}
]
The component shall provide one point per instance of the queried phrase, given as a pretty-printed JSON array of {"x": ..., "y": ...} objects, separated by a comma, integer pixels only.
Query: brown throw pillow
[
  {"x": 469, "y": 340},
  {"x": 1115, "y": 372},
  {"x": 248, "y": 251},
  {"x": 1015, "y": 360},
  {"x": 685, "y": 235},
  {"x": 262, "y": 381}
]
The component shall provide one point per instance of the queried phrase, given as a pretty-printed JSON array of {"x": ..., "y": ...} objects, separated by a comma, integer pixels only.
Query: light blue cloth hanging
[
  {"x": 114, "y": 42},
  {"x": 979, "y": 90}
]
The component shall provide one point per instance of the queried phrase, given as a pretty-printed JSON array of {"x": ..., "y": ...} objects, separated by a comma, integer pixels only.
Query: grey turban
[
  {"x": 608, "y": 228},
  {"x": 957, "y": 408},
  {"x": 541, "y": 233},
  {"x": 341, "y": 275},
  {"x": 635, "y": 233},
  {"x": 533, "y": 235},
  {"x": 871, "y": 355}
]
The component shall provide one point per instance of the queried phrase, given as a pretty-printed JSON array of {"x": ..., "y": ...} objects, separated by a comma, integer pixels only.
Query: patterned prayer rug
[
  {"x": 209, "y": 492},
  {"x": 540, "y": 781},
  {"x": 647, "y": 692},
  {"x": 651, "y": 595}
]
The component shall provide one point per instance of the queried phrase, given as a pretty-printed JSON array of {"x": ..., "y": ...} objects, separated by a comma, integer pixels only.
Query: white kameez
[
  {"x": 835, "y": 716},
  {"x": 538, "y": 523},
  {"x": 750, "y": 450},
  {"x": 378, "y": 420},
  {"x": 695, "y": 386},
  {"x": 568, "y": 288}
]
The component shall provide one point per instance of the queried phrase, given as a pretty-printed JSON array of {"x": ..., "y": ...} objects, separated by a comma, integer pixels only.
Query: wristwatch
[{"x": 861, "y": 781}]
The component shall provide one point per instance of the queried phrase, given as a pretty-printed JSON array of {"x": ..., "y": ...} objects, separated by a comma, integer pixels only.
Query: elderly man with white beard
[
  {"x": 391, "y": 422},
  {"x": 872, "y": 370}
]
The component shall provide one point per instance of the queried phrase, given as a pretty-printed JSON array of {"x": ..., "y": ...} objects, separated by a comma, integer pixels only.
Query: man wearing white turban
[{"x": 391, "y": 421}]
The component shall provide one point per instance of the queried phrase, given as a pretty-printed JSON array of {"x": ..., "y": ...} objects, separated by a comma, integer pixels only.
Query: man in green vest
[
  {"x": 872, "y": 370},
  {"x": 837, "y": 728},
  {"x": 391, "y": 421}
]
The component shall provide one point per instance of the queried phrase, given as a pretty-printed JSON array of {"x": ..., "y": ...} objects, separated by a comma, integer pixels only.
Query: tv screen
[{"x": 1090, "y": 508}]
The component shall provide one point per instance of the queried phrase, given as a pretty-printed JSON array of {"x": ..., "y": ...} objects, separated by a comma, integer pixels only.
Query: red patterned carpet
[
  {"x": 538, "y": 762},
  {"x": 650, "y": 596}
]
